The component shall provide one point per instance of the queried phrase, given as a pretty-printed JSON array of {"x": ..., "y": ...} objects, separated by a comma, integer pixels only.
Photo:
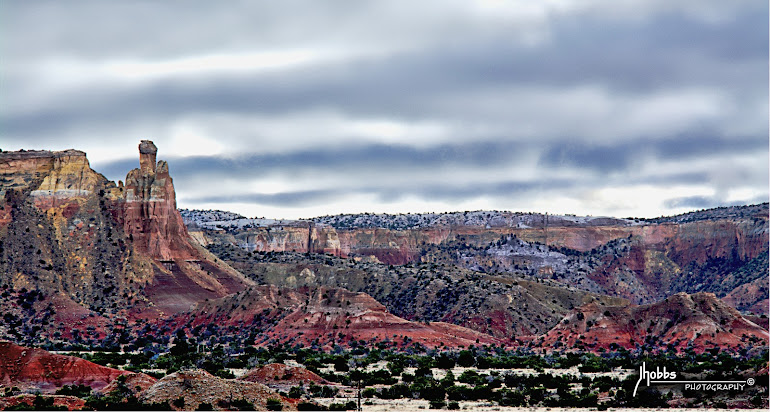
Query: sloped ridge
[
  {"x": 324, "y": 316},
  {"x": 697, "y": 321},
  {"x": 40, "y": 369}
]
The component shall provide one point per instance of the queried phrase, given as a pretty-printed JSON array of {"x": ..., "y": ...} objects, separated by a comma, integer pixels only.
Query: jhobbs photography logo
[
  {"x": 665, "y": 377},
  {"x": 655, "y": 376}
]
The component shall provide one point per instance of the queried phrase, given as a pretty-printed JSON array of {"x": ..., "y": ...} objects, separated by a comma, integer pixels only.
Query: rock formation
[
  {"x": 57, "y": 234},
  {"x": 150, "y": 215},
  {"x": 65, "y": 229},
  {"x": 184, "y": 273}
]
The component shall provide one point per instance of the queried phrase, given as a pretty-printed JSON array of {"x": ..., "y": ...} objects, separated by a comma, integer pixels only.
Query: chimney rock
[{"x": 147, "y": 152}]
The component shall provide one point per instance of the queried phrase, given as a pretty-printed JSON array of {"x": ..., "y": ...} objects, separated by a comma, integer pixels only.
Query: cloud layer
[{"x": 290, "y": 109}]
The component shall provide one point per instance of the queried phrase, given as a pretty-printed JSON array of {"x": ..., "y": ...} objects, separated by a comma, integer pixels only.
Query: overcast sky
[{"x": 299, "y": 109}]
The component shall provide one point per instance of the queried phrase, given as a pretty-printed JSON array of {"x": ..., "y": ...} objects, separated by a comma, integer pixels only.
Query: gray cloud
[
  {"x": 297, "y": 198},
  {"x": 622, "y": 156},
  {"x": 595, "y": 92},
  {"x": 630, "y": 57},
  {"x": 416, "y": 169},
  {"x": 386, "y": 194},
  {"x": 357, "y": 158},
  {"x": 706, "y": 202},
  {"x": 619, "y": 157}
]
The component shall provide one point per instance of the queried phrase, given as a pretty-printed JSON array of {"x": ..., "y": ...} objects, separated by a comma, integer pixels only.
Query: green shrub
[
  {"x": 349, "y": 406},
  {"x": 205, "y": 406},
  {"x": 80, "y": 391},
  {"x": 274, "y": 405},
  {"x": 307, "y": 406}
]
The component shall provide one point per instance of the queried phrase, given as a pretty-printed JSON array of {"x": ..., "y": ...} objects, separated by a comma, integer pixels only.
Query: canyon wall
[{"x": 685, "y": 242}]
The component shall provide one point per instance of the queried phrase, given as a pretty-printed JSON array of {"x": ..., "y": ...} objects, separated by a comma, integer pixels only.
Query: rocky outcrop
[
  {"x": 30, "y": 368},
  {"x": 184, "y": 273},
  {"x": 699, "y": 321},
  {"x": 63, "y": 173},
  {"x": 197, "y": 387},
  {"x": 301, "y": 237}
]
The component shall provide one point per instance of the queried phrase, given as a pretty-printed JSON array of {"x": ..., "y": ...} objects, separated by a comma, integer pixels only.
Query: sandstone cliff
[
  {"x": 65, "y": 229},
  {"x": 150, "y": 218},
  {"x": 183, "y": 272},
  {"x": 58, "y": 234}
]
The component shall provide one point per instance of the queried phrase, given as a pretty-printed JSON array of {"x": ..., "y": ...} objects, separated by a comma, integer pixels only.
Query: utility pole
[
  {"x": 355, "y": 371},
  {"x": 359, "y": 393}
]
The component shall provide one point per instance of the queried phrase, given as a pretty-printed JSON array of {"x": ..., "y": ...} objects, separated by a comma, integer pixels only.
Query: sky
[{"x": 290, "y": 109}]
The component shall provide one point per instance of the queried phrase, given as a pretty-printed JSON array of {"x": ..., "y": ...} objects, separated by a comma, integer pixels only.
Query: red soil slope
[{"x": 40, "y": 369}]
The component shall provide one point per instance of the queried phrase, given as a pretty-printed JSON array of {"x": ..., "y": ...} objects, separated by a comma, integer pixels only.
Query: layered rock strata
[{"x": 65, "y": 228}]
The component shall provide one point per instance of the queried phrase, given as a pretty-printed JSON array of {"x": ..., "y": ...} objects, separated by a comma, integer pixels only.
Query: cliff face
[
  {"x": 46, "y": 176},
  {"x": 301, "y": 237},
  {"x": 57, "y": 234},
  {"x": 689, "y": 241},
  {"x": 706, "y": 256},
  {"x": 66, "y": 229}
]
